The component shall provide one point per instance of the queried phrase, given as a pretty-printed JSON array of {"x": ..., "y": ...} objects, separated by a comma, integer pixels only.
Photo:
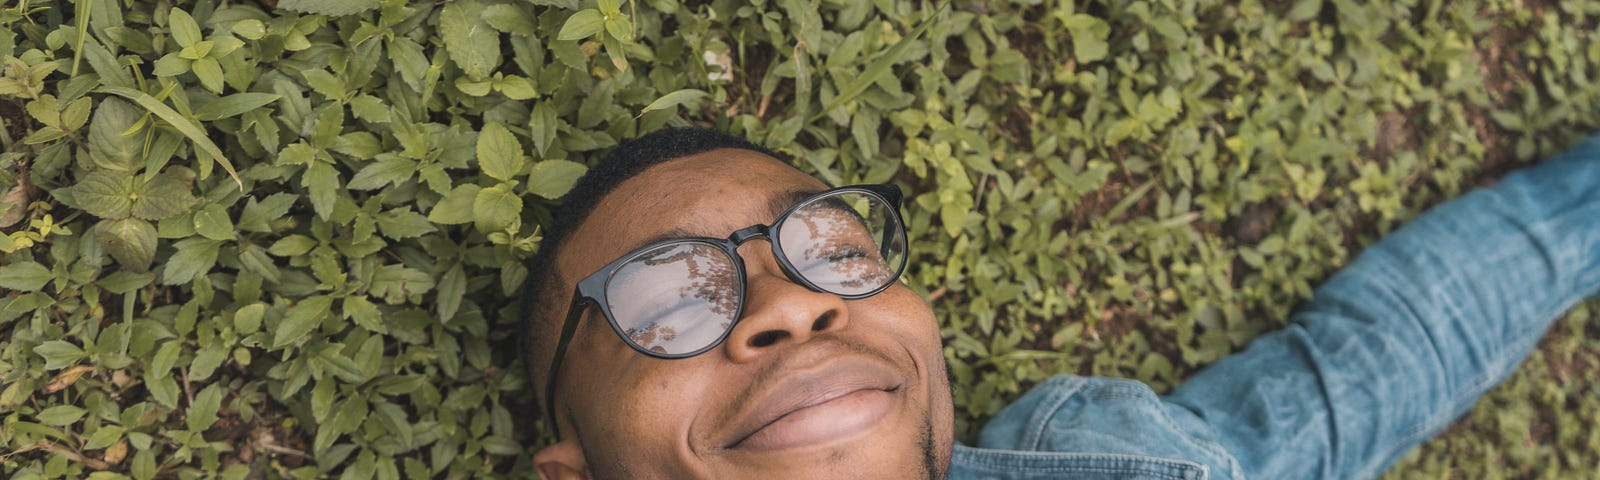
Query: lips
[{"x": 815, "y": 406}]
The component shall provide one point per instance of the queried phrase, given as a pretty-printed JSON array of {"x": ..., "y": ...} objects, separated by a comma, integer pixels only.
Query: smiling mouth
[{"x": 830, "y": 417}]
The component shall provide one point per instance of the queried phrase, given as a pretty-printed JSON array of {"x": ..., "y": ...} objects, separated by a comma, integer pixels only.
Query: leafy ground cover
[{"x": 279, "y": 238}]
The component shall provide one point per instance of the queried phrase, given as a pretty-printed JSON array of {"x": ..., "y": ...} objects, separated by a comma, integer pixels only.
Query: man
[{"x": 701, "y": 309}]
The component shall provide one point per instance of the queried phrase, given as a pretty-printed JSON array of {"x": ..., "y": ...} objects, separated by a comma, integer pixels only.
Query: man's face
[{"x": 807, "y": 385}]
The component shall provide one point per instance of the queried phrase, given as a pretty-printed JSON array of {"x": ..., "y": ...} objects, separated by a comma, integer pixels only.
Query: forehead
[{"x": 707, "y": 194}]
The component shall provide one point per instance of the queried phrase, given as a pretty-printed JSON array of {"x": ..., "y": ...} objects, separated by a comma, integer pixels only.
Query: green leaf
[
  {"x": 360, "y": 310},
  {"x": 674, "y": 99},
  {"x": 185, "y": 30},
  {"x": 103, "y": 437},
  {"x": 581, "y": 25},
  {"x": 250, "y": 28},
  {"x": 516, "y": 88},
  {"x": 542, "y": 125},
  {"x": 502, "y": 446},
  {"x": 511, "y": 19},
  {"x": 209, "y": 71},
  {"x": 171, "y": 65},
  {"x": 24, "y": 276},
  {"x": 247, "y": 319},
  {"x": 301, "y": 319},
  {"x": 396, "y": 283},
  {"x": 165, "y": 358},
  {"x": 189, "y": 129},
  {"x": 195, "y": 257},
  {"x": 76, "y": 114},
  {"x": 1304, "y": 10},
  {"x": 474, "y": 88},
  {"x": 165, "y": 391},
  {"x": 383, "y": 172},
  {"x": 43, "y": 135},
  {"x": 105, "y": 194},
  {"x": 131, "y": 241},
  {"x": 206, "y": 361},
  {"x": 369, "y": 358},
  {"x": 553, "y": 178},
  {"x": 340, "y": 366},
  {"x": 499, "y": 152},
  {"x": 322, "y": 399},
  {"x": 292, "y": 246},
  {"x": 395, "y": 420},
  {"x": 256, "y": 215},
  {"x": 112, "y": 72},
  {"x": 620, "y": 27},
  {"x": 410, "y": 62},
  {"x": 45, "y": 110},
  {"x": 452, "y": 287},
  {"x": 114, "y": 143},
  {"x": 59, "y": 354},
  {"x": 403, "y": 223},
  {"x": 879, "y": 66},
  {"x": 212, "y": 222},
  {"x": 203, "y": 412},
  {"x": 234, "y": 105},
  {"x": 325, "y": 83},
  {"x": 1088, "y": 35},
  {"x": 369, "y": 108},
  {"x": 322, "y": 182},
  {"x": 471, "y": 42},
  {"x": 162, "y": 197},
  {"x": 121, "y": 281},
  {"x": 297, "y": 153},
  {"x": 61, "y": 415},
  {"x": 496, "y": 208},
  {"x": 457, "y": 207},
  {"x": 332, "y": 8}
]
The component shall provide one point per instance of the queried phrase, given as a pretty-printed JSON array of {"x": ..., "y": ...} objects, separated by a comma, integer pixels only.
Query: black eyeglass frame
[{"x": 592, "y": 289}]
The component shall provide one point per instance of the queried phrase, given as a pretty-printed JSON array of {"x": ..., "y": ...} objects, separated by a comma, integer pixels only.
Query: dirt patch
[
  {"x": 1502, "y": 69},
  {"x": 17, "y": 122},
  {"x": 1395, "y": 134},
  {"x": 262, "y": 441}
]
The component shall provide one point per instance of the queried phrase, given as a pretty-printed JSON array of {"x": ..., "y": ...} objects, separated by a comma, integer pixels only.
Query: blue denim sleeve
[
  {"x": 1089, "y": 429},
  {"x": 1406, "y": 338}
]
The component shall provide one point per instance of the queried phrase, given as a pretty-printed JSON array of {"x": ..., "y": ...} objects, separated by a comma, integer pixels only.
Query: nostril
[
  {"x": 767, "y": 338},
  {"x": 823, "y": 322}
]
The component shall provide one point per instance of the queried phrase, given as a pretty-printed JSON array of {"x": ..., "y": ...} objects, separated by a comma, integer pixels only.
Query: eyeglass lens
[{"x": 681, "y": 297}]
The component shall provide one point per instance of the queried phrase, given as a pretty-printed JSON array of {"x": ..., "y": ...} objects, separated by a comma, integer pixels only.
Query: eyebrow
[
  {"x": 781, "y": 202},
  {"x": 776, "y": 205}
]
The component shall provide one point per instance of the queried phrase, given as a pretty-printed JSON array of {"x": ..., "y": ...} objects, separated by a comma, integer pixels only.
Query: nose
[{"x": 777, "y": 311}]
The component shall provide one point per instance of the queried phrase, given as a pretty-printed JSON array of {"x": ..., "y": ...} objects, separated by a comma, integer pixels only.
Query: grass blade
[
  {"x": 879, "y": 66},
  {"x": 185, "y": 126}
]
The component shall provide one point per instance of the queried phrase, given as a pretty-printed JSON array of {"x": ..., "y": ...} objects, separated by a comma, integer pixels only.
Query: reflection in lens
[
  {"x": 675, "y": 299},
  {"x": 846, "y": 244}
]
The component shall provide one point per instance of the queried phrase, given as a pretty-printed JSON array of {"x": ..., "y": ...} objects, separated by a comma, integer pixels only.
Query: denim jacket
[
  {"x": 1385, "y": 354},
  {"x": 1089, "y": 428}
]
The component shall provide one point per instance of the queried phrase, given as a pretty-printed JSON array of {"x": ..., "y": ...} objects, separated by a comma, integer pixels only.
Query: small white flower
[{"x": 722, "y": 61}]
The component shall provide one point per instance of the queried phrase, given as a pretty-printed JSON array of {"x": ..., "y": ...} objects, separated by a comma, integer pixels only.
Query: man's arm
[{"x": 1405, "y": 339}]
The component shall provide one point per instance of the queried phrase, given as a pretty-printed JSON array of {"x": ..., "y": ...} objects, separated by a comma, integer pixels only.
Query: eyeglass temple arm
[
  {"x": 570, "y": 327},
  {"x": 891, "y": 192}
]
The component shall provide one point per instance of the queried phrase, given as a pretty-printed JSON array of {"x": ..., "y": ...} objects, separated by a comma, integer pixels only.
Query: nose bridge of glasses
[
  {"x": 744, "y": 235},
  {"x": 740, "y": 236}
]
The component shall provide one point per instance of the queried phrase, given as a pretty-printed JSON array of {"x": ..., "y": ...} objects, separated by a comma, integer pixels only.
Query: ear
[{"x": 562, "y": 461}]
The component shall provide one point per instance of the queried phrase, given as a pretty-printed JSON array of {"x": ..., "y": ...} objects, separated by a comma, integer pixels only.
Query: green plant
[{"x": 1125, "y": 188}]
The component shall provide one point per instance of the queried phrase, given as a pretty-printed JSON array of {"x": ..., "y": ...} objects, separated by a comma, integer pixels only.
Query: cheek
[
  {"x": 643, "y": 402},
  {"x": 901, "y": 311}
]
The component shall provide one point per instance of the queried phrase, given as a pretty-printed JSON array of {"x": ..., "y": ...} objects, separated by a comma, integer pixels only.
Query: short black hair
[{"x": 629, "y": 159}]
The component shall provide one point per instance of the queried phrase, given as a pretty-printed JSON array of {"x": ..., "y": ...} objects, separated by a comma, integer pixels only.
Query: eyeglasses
[{"x": 681, "y": 297}]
